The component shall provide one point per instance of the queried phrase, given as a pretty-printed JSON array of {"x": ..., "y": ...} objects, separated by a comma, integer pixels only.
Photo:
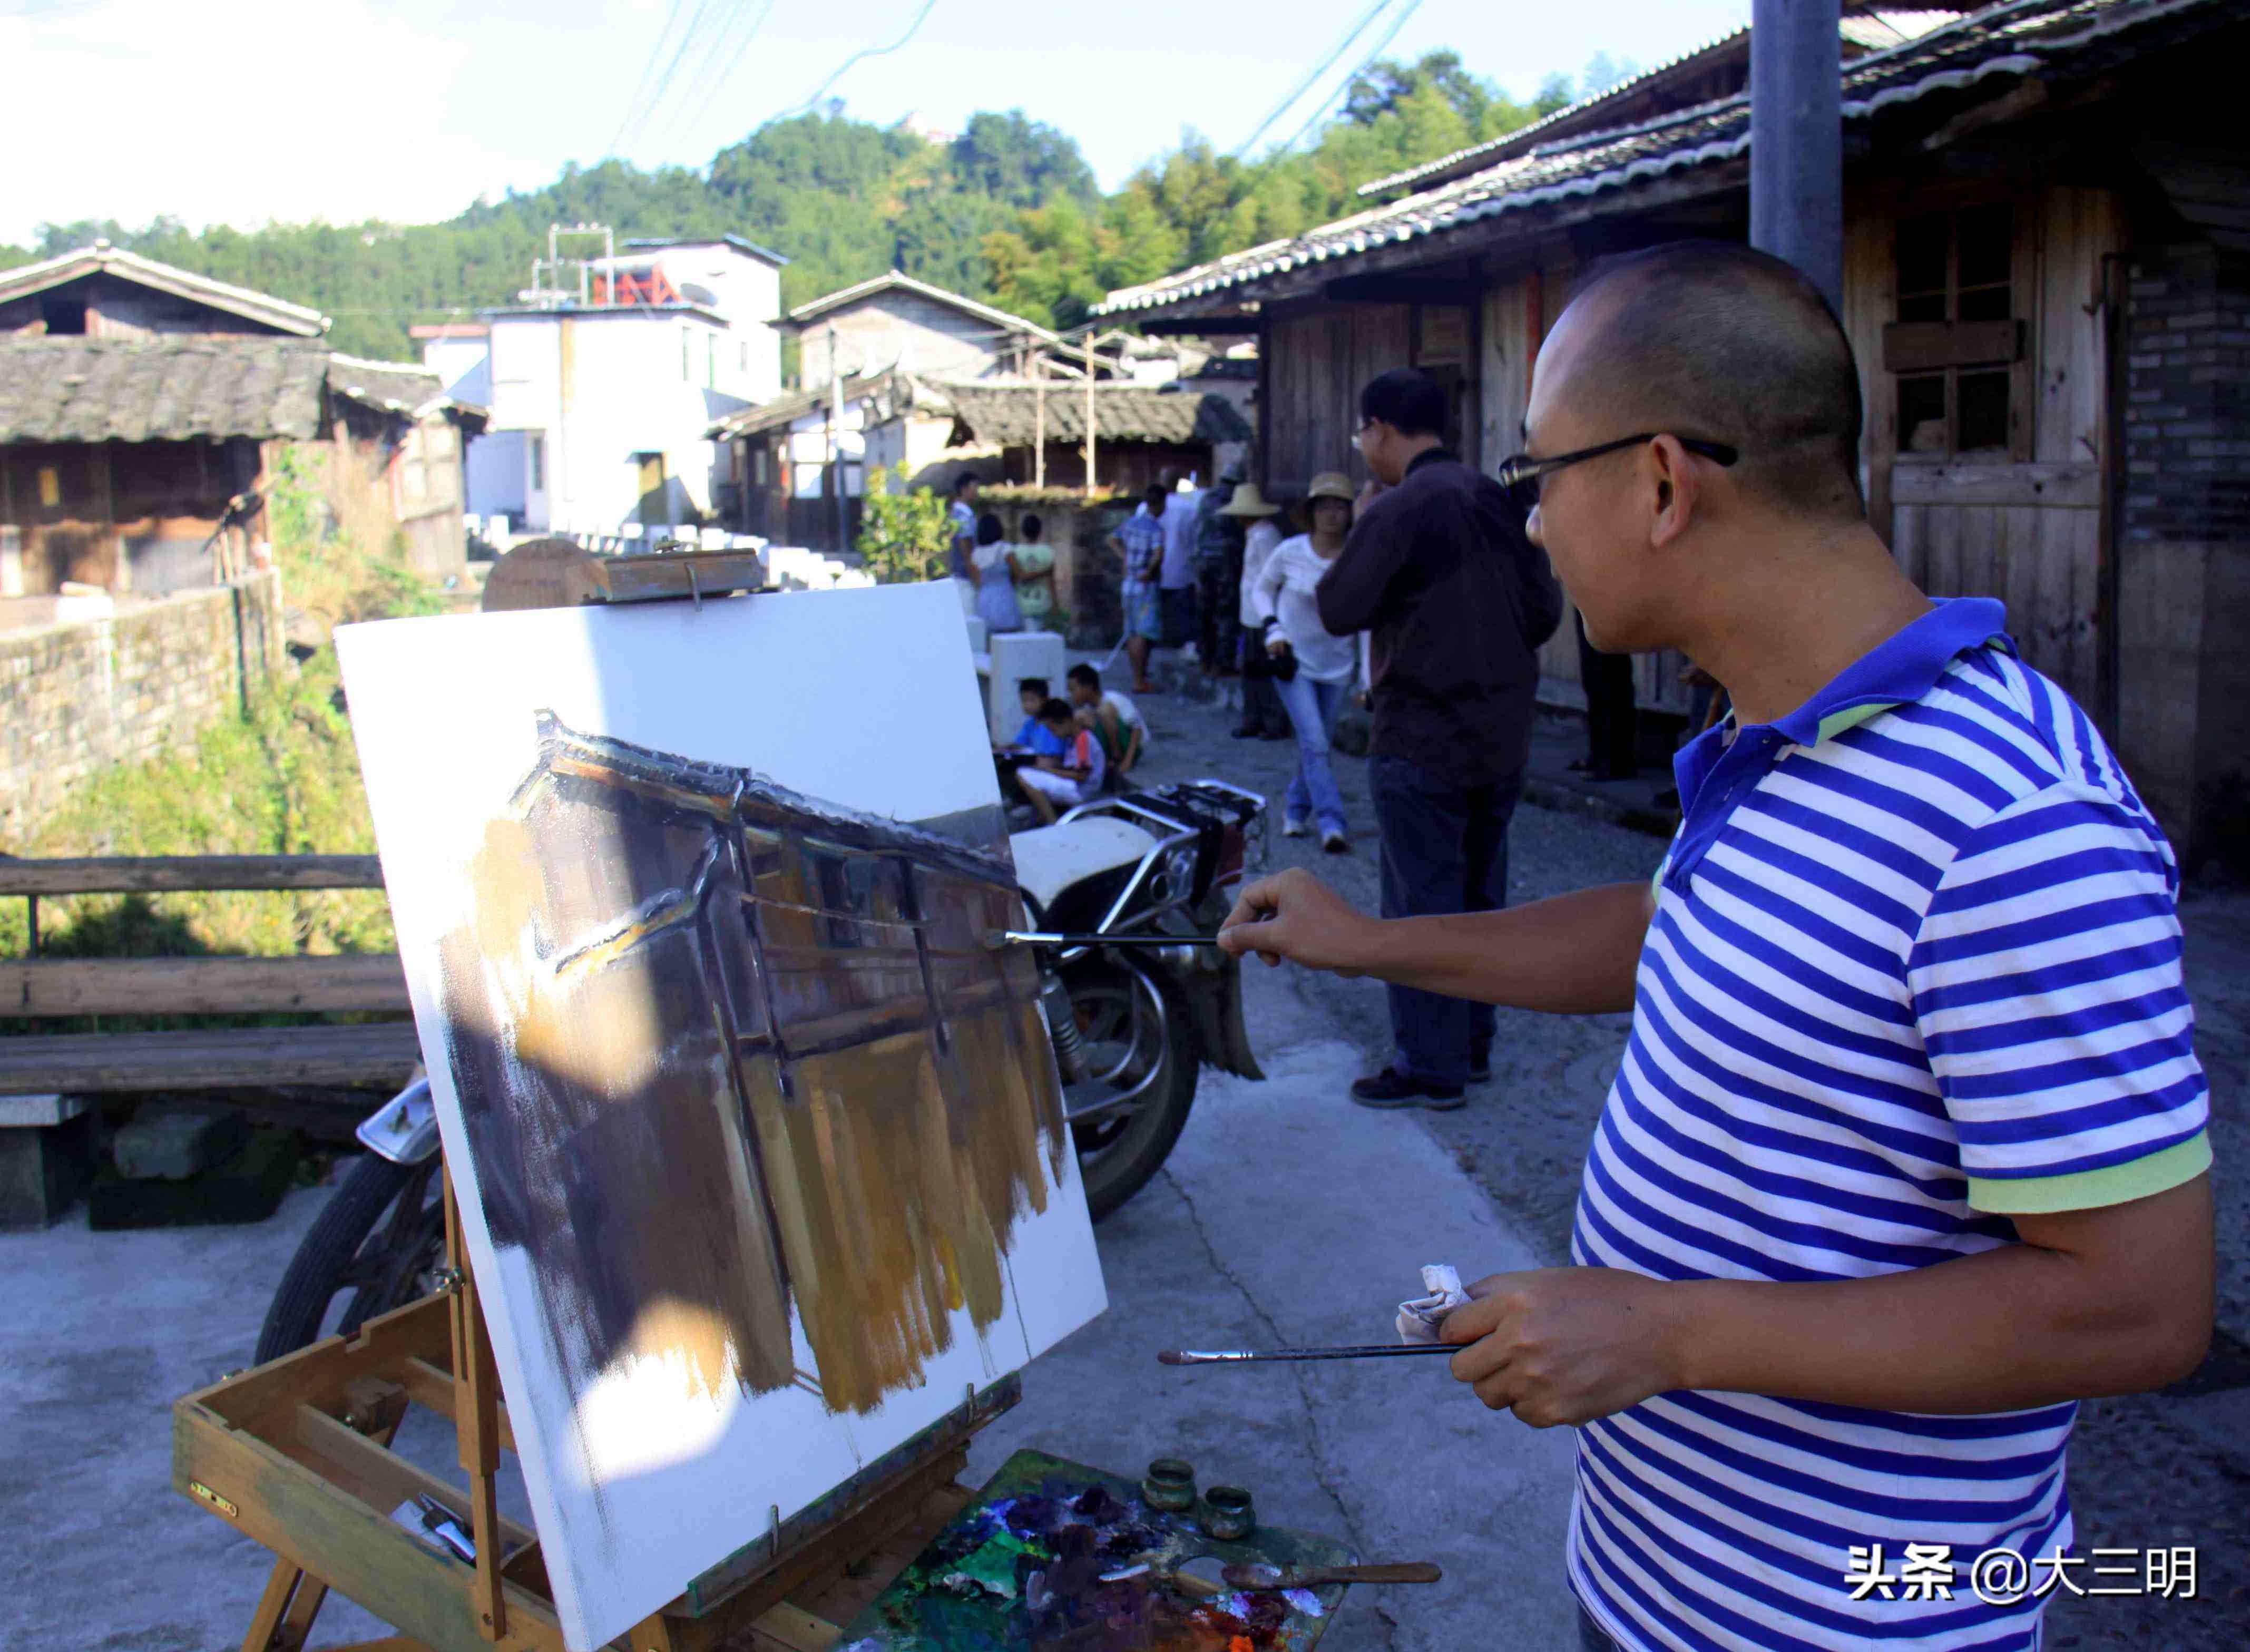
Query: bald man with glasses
[{"x": 1908, "y": 1151}]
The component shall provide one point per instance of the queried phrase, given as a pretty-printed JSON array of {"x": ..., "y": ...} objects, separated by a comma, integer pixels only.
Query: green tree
[{"x": 905, "y": 535}]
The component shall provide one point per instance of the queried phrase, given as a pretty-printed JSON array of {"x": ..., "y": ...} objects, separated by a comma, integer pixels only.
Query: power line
[
  {"x": 705, "y": 90},
  {"x": 655, "y": 55},
  {"x": 860, "y": 55},
  {"x": 639, "y": 116},
  {"x": 1306, "y": 85},
  {"x": 1389, "y": 35}
]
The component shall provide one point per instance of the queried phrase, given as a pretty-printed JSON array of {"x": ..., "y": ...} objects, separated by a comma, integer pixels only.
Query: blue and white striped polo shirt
[{"x": 1915, "y": 966}]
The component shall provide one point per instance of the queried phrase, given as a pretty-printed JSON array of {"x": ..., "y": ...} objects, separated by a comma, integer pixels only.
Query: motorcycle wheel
[
  {"x": 1118, "y": 1153},
  {"x": 349, "y": 1248}
]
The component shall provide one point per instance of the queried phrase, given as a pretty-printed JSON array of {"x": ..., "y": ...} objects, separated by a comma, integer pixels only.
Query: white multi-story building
[{"x": 601, "y": 389}]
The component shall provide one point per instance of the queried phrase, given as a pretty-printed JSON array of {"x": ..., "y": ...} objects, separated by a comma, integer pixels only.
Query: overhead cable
[
  {"x": 1365, "y": 62},
  {"x": 858, "y": 57},
  {"x": 639, "y": 116},
  {"x": 703, "y": 93},
  {"x": 1307, "y": 83}
]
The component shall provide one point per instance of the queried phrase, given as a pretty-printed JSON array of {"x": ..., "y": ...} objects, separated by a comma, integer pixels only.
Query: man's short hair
[
  {"x": 1034, "y": 685},
  {"x": 1084, "y": 674},
  {"x": 1406, "y": 399},
  {"x": 1058, "y": 711},
  {"x": 1155, "y": 493},
  {"x": 961, "y": 482},
  {"x": 1715, "y": 340}
]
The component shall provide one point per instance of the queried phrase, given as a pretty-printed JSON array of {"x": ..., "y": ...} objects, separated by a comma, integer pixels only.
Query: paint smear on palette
[
  {"x": 1055, "y": 1554},
  {"x": 681, "y": 988}
]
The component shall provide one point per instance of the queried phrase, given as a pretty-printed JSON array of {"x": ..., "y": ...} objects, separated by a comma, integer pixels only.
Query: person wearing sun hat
[
  {"x": 1262, "y": 716},
  {"x": 1316, "y": 666}
]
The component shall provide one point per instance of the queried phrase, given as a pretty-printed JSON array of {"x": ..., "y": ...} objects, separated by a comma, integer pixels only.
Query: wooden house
[
  {"x": 142, "y": 409},
  {"x": 896, "y": 321},
  {"x": 871, "y": 357},
  {"x": 2046, "y": 272},
  {"x": 1039, "y": 430}
]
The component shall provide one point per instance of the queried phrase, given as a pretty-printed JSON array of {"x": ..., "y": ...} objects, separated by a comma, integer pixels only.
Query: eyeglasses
[{"x": 1520, "y": 475}]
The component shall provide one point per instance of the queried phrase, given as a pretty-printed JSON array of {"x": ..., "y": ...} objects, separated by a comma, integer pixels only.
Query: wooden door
[{"x": 1973, "y": 505}]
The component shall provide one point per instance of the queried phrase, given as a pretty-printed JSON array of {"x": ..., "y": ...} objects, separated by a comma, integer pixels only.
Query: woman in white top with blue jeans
[{"x": 1283, "y": 602}]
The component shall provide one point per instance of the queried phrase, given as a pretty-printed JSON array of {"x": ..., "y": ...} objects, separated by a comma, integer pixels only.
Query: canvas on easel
[{"x": 761, "y": 1149}]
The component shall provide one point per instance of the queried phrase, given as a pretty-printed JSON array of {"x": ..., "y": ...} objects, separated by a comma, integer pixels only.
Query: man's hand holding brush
[{"x": 1566, "y": 1344}]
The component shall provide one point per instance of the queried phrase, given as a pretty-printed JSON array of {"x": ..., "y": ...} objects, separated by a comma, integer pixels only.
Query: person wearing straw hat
[
  {"x": 1262, "y": 716},
  {"x": 1314, "y": 666}
]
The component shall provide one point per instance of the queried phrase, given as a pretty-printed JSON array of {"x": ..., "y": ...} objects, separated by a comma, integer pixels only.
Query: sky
[{"x": 410, "y": 110}]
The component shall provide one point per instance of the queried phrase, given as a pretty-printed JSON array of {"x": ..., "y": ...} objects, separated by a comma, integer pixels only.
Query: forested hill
[{"x": 1008, "y": 212}]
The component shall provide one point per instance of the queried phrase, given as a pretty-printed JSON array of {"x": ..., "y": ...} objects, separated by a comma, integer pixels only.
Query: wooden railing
[{"x": 374, "y": 1054}]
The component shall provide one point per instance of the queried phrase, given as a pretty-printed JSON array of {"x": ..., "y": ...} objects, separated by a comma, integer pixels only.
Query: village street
[{"x": 1285, "y": 1215}]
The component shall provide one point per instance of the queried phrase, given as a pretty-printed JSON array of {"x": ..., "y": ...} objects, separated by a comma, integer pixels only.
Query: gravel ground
[{"x": 2147, "y": 1470}]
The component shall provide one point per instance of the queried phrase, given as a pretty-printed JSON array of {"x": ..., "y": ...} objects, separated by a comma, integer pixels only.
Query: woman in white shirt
[
  {"x": 1283, "y": 605},
  {"x": 1262, "y": 716}
]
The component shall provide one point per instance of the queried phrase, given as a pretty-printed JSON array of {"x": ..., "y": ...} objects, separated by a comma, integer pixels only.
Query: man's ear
[{"x": 1678, "y": 489}]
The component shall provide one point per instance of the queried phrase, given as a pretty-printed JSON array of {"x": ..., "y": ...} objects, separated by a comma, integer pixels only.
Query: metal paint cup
[
  {"x": 1170, "y": 1485},
  {"x": 1228, "y": 1514}
]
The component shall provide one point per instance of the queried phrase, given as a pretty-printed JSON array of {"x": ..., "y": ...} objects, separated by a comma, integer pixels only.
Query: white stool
[{"x": 1017, "y": 655}]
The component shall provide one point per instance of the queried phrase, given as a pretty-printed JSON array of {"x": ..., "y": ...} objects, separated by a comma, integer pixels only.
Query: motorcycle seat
[{"x": 1051, "y": 858}]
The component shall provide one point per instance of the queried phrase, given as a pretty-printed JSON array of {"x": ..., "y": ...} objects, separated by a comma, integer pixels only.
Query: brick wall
[
  {"x": 79, "y": 696},
  {"x": 2184, "y": 550},
  {"x": 2187, "y": 399}
]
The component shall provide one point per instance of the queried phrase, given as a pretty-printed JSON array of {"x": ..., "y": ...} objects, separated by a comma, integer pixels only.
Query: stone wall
[
  {"x": 2184, "y": 549},
  {"x": 1088, "y": 570},
  {"x": 80, "y": 694}
]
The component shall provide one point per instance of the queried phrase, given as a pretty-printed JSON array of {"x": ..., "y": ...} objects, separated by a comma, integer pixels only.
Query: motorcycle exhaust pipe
[{"x": 1062, "y": 1029}]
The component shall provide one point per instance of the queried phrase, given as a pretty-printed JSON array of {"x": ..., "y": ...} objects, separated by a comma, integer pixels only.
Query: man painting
[{"x": 1908, "y": 1151}]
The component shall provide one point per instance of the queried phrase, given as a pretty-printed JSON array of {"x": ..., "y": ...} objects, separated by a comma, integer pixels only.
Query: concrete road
[{"x": 1286, "y": 1215}]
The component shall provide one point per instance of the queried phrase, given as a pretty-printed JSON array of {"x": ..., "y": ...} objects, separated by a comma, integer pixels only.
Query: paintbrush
[
  {"x": 996, "y": 939},
  {"x": 1245, "y": 1356}
]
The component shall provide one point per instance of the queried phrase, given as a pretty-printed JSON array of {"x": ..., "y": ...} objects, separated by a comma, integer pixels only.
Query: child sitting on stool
[
  {"x": 1034, "y": 737},
  {"x": 1068, "y": 780}
]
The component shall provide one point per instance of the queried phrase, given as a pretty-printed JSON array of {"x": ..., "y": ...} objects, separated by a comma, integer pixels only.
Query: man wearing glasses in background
[
  {"x": 1456, "y": 602},
  {"x": 1907, "y": 1154}
]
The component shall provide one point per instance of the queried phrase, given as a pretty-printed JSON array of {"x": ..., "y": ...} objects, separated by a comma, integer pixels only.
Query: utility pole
[
  {"x": 1039, "y": 421},
  {"x": 1797, "y": 138},
  {"x": 1089, "y": 415},
  {"x": 835, "y": 433}
]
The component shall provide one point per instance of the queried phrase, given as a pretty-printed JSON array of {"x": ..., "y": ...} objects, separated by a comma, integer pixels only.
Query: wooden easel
[{"x": 296, "y": 1453}]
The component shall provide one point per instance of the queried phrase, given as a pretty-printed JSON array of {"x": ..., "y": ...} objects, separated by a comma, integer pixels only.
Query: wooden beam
[
  {"x": 1922, "y": 346},
  {"x": 2073, "y": 487},
  {"x": 155, "y": 874},
  {"x": 386, "y": 1472},
  {"x": 305, "y": 1517},
  {"x": 377, "y": 1055},
  {"x": 202, "y": 985}
]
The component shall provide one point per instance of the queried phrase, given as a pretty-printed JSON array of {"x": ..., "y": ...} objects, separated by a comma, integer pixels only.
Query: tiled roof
[
  {"x": 169, "y": 388},
  {"x": 1007, "y": 415},
  {"x": 1871, "y": 28},
  {"x": 2020, "y": 37},
  {"x": 103, "y": 259},
  {"x": 898, "y": 282},
  {"x": 395, "y": 387}
]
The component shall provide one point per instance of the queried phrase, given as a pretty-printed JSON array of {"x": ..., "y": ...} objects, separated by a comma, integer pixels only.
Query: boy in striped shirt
[{"x": 1907, "y": 1154}]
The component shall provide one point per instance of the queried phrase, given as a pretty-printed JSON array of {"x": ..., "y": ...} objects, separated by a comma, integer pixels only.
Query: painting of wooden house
[
  {"x": 2046, "y": 269},
  {"x": 685, "y": 988}
]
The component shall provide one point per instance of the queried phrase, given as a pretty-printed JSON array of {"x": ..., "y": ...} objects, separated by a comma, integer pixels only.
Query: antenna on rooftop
[{"x": 556, "y": 281}]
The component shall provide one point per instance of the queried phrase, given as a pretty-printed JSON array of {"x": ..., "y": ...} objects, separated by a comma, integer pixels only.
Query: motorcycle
[{"x": 1132, "y": 1026}]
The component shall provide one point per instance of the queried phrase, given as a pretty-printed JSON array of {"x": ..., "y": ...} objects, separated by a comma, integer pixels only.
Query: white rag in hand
[{"x": 1418, "y": 1320}]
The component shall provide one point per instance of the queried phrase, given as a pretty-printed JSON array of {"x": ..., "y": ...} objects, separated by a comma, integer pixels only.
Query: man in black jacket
[{"x": 1457, "y": 600}]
